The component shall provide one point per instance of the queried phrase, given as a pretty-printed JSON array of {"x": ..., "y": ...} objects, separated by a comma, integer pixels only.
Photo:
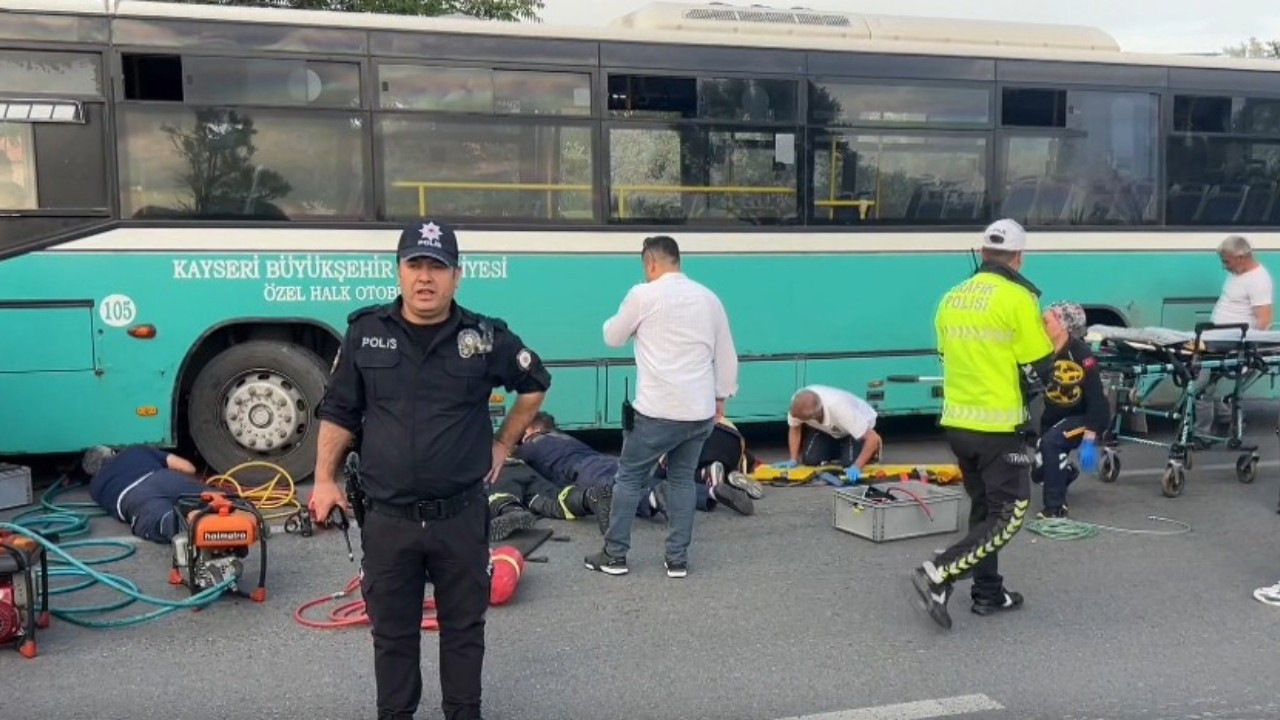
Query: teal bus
[{"x": 194, "y": 197}]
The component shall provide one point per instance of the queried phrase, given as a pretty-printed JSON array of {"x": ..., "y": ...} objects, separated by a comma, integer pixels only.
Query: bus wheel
[{"x": 256, "y": 401}]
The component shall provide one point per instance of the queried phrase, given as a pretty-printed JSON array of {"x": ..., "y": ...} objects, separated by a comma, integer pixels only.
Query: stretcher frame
[{"x": 1132, "y": 371}]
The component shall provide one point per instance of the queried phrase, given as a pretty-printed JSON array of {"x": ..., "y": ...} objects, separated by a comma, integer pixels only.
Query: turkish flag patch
[{"x": 1090, "y": 363}]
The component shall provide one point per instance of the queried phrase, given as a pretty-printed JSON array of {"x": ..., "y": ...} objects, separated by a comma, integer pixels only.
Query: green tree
[
  {"x": 219, "y": 168},
  {"x": 509, "y": 10},
  {"x": 1254, "y": 48}
]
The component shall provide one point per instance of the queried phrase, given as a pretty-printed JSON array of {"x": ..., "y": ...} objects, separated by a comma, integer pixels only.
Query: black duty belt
[{"x": 428, "y": 509}]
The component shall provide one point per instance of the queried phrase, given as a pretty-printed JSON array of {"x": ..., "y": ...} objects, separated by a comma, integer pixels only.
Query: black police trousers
[
  {"x": 399, "y": 555},
  {"x": 997, "y": 478}
]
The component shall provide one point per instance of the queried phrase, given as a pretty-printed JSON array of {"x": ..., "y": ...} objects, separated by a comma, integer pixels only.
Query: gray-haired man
[{"x": 1247, "y": 297}]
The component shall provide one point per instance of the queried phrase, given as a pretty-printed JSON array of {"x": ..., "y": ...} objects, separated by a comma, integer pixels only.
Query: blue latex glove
[
  {"x": 853, "y": 473},
  {"x": 785, "y": 464},
  {"x": 1088, "y": 455}
]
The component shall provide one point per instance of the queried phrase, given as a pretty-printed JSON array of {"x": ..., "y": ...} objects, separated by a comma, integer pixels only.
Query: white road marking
[{"x": 921, "y": 710}]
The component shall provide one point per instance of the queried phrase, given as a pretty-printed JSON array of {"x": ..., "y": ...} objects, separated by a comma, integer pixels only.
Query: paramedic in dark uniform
[
  {"x": 994, "y": 350},
  {"x": 412, "y": 379},
  {"x": 1076, "y": 412}
]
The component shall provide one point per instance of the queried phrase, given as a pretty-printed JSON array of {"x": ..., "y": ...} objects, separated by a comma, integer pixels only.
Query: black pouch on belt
[{"x": 628, "y": 411}]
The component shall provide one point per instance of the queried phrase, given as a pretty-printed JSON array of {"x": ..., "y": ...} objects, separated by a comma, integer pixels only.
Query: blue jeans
[{"x": 648, "y": 440}]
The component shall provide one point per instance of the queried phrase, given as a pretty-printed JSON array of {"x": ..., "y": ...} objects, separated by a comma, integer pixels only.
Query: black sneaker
[
  {"x": 1052, "y": 514},
  {"x": 607, "y": 564},
  {"x": 676, "y": 568},
  {"x": 736, "y": 498},
  {"x": 600, "y": 500},
  {"x": 1012, "y": 601},
  {"x": 509, "y": 522},
  {"x": 933, "y": 594}
]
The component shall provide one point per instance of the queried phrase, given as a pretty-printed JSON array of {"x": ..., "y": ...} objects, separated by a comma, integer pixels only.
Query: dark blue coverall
[{"x": 137, "y": 487}]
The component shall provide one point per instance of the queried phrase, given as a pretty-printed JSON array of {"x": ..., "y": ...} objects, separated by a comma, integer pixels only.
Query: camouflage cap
[{"x": 1071, "y": 315}]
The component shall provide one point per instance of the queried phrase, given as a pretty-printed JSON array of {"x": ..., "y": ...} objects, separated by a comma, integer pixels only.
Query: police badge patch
[
  {"x": 524, "y": 359},
  {"x": 468, "y": 343}
]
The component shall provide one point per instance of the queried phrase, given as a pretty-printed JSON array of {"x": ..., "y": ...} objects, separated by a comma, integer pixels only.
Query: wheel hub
[{"x": 262, "y": 411}]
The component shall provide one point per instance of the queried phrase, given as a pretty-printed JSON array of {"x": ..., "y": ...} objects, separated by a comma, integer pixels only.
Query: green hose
[
  {"x": 71, "y": 519},
  {"x": 1065, "y": 529}
]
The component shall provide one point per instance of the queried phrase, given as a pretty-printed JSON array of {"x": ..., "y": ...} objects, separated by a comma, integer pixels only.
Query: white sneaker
[
  {"x": 1268, "y": 595},
  {"x": 742, "y": 481}
]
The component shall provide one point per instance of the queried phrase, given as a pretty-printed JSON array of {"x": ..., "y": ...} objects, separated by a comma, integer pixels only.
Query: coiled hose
[
  {"x": 1065, "y": 529},
  {"x": 277, "y": 497}
]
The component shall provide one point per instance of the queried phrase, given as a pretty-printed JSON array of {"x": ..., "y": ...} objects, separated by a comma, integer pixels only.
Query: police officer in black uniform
[{"x": 412, "y": 380}]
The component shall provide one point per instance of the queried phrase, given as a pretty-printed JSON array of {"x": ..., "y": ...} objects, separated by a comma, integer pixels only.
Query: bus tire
[{"x": 256, "y": 402}]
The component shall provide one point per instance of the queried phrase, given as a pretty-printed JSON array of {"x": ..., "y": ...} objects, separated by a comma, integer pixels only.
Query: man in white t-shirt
[
  {"x": 829, "y": 425},
  {"x": 1247, "y": 297}
]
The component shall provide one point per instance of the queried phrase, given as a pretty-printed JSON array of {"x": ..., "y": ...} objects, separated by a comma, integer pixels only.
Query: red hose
[
  {"x": 353, "y": 614},
  {"x": 506, "y": 566}
]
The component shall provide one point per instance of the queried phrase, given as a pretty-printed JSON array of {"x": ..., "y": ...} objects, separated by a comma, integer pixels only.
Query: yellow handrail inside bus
[
  {"x": 423, "y": 187},
  {"x": 622, "y": 192},
  {"x": 864, "y": 206}
]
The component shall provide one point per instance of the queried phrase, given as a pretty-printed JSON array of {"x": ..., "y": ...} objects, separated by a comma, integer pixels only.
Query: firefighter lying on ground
[
  {"x": 141, "y": 486},
  {"x": 553, "y": 475}
]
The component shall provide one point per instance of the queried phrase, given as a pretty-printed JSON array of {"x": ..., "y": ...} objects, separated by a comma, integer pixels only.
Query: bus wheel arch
[
  {"x": 1104, "y": 315},
  {"x": 248, "y": 392}
]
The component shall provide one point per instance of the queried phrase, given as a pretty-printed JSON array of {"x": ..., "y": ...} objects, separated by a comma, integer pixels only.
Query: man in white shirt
[
  {"x": 829, "y": 425},
  {"x": 686, "y": 367},
  {"x": 1247, "y": 297}
]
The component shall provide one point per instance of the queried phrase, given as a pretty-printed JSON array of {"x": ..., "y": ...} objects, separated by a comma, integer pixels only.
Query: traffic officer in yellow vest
[{"x": 994, "y": 350}]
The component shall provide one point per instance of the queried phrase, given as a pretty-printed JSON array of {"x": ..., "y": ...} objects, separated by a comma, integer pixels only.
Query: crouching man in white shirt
[
  {"x": 829, "y": 425},
  {"x": 1247, "y": 297}
]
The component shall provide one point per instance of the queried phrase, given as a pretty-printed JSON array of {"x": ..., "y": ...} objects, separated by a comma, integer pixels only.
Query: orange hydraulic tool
[{"x": 220, "y": 532}]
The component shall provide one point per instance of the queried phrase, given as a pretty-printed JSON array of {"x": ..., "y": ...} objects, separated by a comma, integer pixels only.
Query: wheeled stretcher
[{"x": 1134, "y": 361}]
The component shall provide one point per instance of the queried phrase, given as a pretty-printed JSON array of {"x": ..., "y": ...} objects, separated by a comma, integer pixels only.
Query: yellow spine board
[{"x": 801, "y": 474}]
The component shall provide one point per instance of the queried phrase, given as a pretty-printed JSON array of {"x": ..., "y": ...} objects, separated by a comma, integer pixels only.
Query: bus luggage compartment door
[
  {"x": 48, "y": 387},
  {"x": 46, "y": 336}
]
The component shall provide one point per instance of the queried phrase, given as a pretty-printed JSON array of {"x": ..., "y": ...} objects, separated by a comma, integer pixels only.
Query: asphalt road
[{"x": 782, "y": 616}]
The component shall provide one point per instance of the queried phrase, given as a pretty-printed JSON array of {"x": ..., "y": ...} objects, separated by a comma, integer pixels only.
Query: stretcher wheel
[
  {"x": 1246, "y": 468},
  {"x": 1109, "y": 467},
  {"x": 1175, "y": 478}
]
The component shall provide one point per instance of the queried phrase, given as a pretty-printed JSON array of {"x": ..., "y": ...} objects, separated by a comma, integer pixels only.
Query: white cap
[{"x": 1005, "y": 235}]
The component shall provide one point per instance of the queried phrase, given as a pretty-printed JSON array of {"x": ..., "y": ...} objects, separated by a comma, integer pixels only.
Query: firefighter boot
[
  {"x": 507, "y": 516},
  {"x": 568, "y": 504}
]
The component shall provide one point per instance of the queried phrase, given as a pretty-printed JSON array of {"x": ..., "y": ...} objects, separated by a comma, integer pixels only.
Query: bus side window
[
  {"x": 52, "y": 133},
  {"x": 17, "y": 167}
]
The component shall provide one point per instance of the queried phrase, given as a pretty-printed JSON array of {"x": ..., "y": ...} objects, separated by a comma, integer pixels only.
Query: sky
[{"x": 1182, "y": 26}]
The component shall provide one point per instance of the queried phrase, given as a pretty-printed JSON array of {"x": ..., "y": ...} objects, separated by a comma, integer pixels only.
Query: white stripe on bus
[{"x": 627, "y": 241}]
